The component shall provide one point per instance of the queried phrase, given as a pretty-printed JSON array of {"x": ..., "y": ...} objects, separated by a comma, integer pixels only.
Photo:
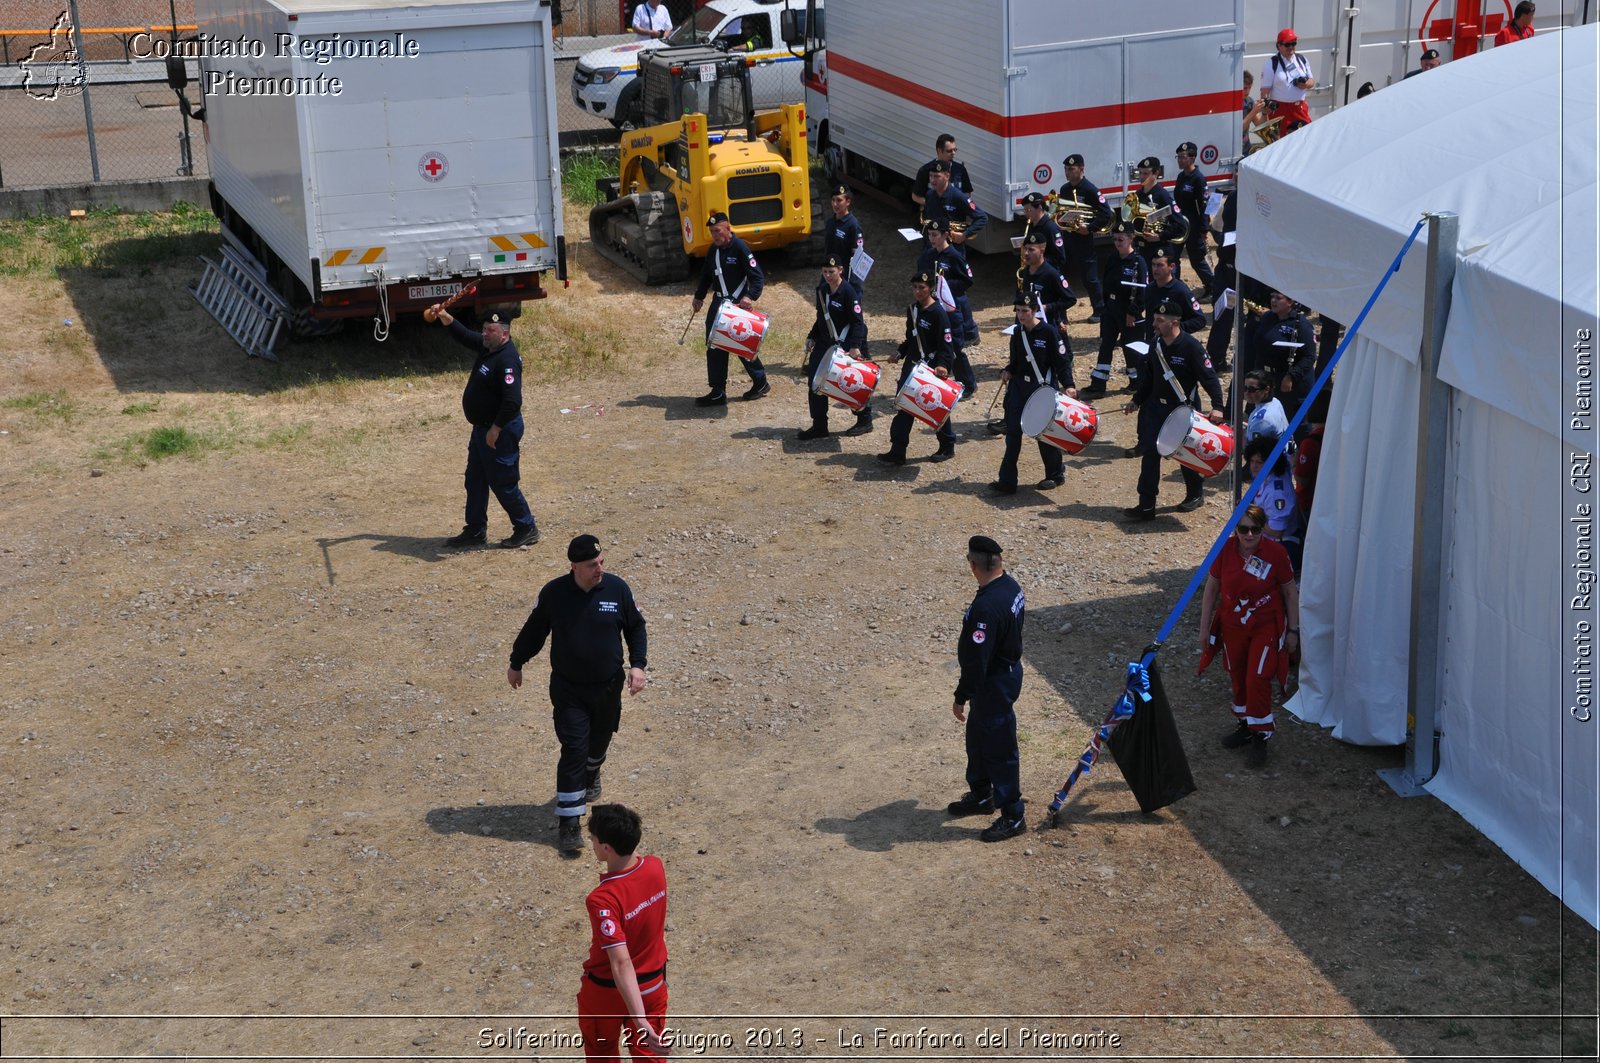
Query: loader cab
[{"x": 698, "y": 80}]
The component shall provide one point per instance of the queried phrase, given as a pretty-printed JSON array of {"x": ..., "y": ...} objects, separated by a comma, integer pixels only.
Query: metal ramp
[{"x": 236, "y": 292}]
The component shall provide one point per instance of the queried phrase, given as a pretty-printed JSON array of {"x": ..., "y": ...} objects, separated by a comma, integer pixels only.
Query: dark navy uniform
[
  {"x": 951, "y": 264},
  {"x": 1080, "y": 247},
  {"x": 1155, "y": 198},
  {"x": 730, "y": 272},
  {"x": 928, "y": 340},
  {"x": 1190, "y": 191},
  {"x": 839, "y": 321},
  {"x": 990, "y": 654},
  {"x": 954, "y": 207},
  {"x": 586, "y": 631},
  {"x": 1125, "y": 280},
  {"x": 1221, "y": 334},
  {"x": 1047, "y": 288},
  {"x": 493, "y": 396},
  {"x": 1050, "y": 366},
  {"x": 959, "y": 179},
  {"x": 842, "y": 240},
  {"x": 1055, "y": 242},
  {"x": 1296, "y": 363},
  {"x": 1177, "y": 293},
  {"x": 1156, "y": 398}
]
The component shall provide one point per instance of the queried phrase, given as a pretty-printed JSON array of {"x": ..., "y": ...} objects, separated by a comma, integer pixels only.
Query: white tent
[{"x": 1506, "y": 140}]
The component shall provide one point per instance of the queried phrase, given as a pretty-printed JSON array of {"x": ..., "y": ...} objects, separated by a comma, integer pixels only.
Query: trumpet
[
  {"x": 1152, "y": 221},
  {"x": 956, "y": 225}
]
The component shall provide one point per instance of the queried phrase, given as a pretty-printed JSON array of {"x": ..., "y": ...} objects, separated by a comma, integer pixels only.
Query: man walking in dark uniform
[
  {"x": 1284, "y": 348},
  {"x": 844, "y": 237},
  {"x": 1191, "y": 192},
  {"x": 1039, "y": 221},
  {"x": 730, "y": 268},
  {"x": 1125, "y": 280},
  {"x": 1040, "y": 358},
  {"x": 492, "y": 402},
  {"x": 587, "y": 615},
  {"x": 1177, "y": 370},
  {"x": 927, "y": 340},
  {"x": 990, "y": 655},
  {"x": 1080, "y": 198},
  {"x": 839, "y": 324}
]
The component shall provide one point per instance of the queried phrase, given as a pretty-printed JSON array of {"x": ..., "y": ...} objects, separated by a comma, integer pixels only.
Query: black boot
[{"x": 945, "y": 452}]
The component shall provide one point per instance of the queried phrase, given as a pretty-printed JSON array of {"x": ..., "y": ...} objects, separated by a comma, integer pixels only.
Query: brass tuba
[{"x": 1071, "y": 213}]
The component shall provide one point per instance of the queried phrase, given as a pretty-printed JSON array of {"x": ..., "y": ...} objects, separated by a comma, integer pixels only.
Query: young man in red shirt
[{"x": 623, "y": 999}]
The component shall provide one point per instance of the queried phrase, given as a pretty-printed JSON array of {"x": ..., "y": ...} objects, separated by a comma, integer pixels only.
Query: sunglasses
[
  {"x": 1248, "y": 529},
  {"x": 1288, "y": 44}
]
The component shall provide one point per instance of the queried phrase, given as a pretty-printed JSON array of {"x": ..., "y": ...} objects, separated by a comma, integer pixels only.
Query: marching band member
[
  {"x": 732, "y": 268},
  {"x": 1125, "y": 279},
  {"x": 1191, "y": 191},
  {"x": 1040, "y": 358},
  {"x": 1153, "y": 196},
  {"x": 945, "y": 260},
  {"x": 944, "y": 201},
  {"x": 1040, "y": 221},
  {"x": 1178, "y": 368},
  {"x": 1080, "y": 237},
  {"x": 1283, "y": 347},
  {"x": 844, "y": 236},
  {"x": 927, "y": 340},
  {"x": 839, "y": 322},
  {"x": 1165, "y": 287},
  {"x": 944, "y": 150},
  {"x": 1039, "y": 281}
]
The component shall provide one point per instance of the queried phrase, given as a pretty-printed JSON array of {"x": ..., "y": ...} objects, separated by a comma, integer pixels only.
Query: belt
[{"x": 641, "y": 979}]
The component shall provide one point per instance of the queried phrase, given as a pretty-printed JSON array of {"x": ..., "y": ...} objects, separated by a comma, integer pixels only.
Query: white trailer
[
  {"x": 1023, "y": 83},
  {"x": 376, "y": 157}
]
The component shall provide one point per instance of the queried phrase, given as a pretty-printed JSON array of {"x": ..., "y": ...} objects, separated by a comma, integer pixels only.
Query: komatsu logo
[
  {"x": 641, "y": 142},
  {"x": 749, "y": 169}
]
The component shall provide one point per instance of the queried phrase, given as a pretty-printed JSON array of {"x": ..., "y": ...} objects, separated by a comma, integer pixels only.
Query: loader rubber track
[{"x": 640, "y": 233}]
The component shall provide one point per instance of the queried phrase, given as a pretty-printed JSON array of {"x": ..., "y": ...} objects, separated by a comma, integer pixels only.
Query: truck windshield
[
  {"x": 697, "y": 29},
  {"x": 721, "y": 101}
]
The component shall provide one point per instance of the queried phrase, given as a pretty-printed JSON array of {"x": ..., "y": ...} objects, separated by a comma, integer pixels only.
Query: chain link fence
[{"x": 83, "y": 100}]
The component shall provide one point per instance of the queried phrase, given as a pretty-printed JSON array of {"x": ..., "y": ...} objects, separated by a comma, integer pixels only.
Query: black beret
[
  {"x": 1431, "y": 54},
  {"x": 923, "y": 278},
  {"x": 936, "y": 225},
  {"x": 497, "y": 319},
  {"x": 1168, "y": 308},
  {"x": 583, "y": 548},
  {"x": 840, "y": 190},
  {"x": 939, "y": 166},
  {"x": 982, "y": 544},
  {"x": 1150, "y": 162},
  {"x": 1033, "y": 239},
  {"x": 1072, "y": 160},
  {"x": 1033, "y": 199},
  {"x": 1122, "y": 228},
  {"x": 833, "y": 261},
  {"x": 1023, "y": 300},
  {"x": 717, "y": 217},
  {"x": 1188, "y": 148}
]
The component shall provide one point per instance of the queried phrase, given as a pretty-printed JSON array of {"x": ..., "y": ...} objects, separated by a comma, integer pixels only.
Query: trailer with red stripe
[{"x": 1023, "y": 83}]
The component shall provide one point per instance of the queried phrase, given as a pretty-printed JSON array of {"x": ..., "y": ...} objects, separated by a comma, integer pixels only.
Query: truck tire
[{"x": 628, "y": 114}]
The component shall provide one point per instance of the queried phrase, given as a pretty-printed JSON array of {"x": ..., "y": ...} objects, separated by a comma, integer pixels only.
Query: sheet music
[
  {"x": 860, "y": 264},
  {"x": 910, "y": 234}
]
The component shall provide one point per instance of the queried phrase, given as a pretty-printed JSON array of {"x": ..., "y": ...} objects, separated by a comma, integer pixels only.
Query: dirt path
[{"x": 261, "y": 757}]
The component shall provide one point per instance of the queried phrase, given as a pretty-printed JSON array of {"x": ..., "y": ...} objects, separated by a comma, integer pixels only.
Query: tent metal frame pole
[{"x": 1434, "y": 400}]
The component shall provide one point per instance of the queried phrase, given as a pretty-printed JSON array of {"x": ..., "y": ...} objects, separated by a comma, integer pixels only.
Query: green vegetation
[
  {"x": 135, "y": 409},
  {"x": 43, "y": 245},
  {"x": 57, "y": 405},
  {"x": 170, "y": 441},
  {"x": 579, "y": 172}
]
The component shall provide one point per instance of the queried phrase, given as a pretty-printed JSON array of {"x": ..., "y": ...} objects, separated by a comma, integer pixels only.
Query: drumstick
[
  {"x": 685, "y": 334},
  {"x": 992, "y": 401},
  {"x": 448, "y": 303}
]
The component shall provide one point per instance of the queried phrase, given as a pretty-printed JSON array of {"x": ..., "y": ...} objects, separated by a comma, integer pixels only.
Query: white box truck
[
  {"x": 1023, "y": 83},
  {"x": 378, "y": 157}
]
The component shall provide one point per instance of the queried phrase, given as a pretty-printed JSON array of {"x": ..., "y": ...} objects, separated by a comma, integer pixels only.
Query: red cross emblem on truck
[{"x": 433, "y": 166}]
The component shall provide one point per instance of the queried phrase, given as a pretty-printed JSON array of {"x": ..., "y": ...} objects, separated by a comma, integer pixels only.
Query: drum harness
[
  {"x": 1168, "y": 375},
  {"x": 722, "y": 284}
]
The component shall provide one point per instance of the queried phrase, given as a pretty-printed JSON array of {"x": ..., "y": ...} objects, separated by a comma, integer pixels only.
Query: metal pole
[
  {"x": 1427, "y": 541},
  {"x": 83, "y": 75}
]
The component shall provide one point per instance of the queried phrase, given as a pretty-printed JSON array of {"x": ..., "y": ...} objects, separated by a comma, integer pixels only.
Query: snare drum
[
  {"x": 737, "y": 330},
  {"x": 1053, "y": 417},
  {"x": 927, "y": 398},
  {"x": 1195, "y": 441},
  {"x": 845, "y": 379}
]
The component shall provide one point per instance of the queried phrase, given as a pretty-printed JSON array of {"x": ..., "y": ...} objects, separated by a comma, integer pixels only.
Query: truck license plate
[{"x": 433, "y": 291}]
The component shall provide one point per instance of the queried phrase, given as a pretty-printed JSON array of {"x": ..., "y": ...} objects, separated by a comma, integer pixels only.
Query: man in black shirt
[
  {"x": 944, "y": 150},
  {"x": 586, "y": 614},
  {"x": 730, "y": 272},
  {"x": 492, "y": 401},
  {"x": 990, "y": 654},
  {"x": 1191, "y": 192},
  {"x": 1178, "y": 370}
]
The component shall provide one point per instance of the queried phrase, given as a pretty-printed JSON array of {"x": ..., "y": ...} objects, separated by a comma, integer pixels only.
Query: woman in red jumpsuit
[{"x": 1251, "y": 607}]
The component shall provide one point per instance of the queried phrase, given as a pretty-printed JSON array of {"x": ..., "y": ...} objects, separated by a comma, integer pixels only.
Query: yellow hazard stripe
[
  {"x": 338, "y": 257},
  {"x": 502, "y": 243},
  {"x": 372, "y": 255},
  {"x": 534, "y": 240},
  {"x": 363, "y": 256}
]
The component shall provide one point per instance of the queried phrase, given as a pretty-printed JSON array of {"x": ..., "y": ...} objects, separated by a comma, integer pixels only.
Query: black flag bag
[{"x": 1149, "y": 751}]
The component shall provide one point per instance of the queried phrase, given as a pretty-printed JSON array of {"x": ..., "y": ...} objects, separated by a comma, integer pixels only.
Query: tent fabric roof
[{"x": 1506, "y": 139}]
